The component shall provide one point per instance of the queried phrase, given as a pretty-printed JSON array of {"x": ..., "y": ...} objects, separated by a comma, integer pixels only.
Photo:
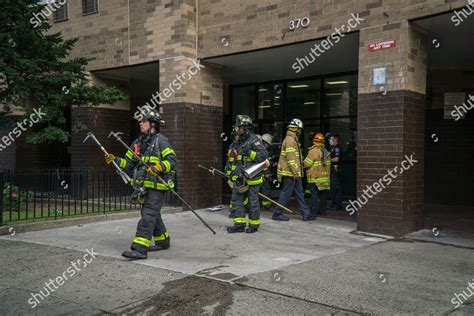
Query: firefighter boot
[
  {"x": 134, "y": 255},
  {"x": 165, "y": 244},
  {"x": 280, "y": 217},
  {"x": 235, "y": 229},
  {"x": 251, "y": 230}
]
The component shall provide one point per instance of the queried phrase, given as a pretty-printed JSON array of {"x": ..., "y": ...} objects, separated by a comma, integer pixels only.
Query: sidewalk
[{"x": 286, "y": 268}]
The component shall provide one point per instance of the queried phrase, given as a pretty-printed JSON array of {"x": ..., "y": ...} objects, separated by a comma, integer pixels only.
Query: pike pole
[{"x": 215, "y": 171}]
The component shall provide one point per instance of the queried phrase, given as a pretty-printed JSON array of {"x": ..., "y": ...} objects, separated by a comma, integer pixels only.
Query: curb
[{"x": 12, "y": 228}]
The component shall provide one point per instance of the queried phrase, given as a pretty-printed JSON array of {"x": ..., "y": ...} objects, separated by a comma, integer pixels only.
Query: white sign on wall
[{"x": 379, "y": 76}]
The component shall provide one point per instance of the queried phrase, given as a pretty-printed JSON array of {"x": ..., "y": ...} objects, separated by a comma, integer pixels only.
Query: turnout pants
[
  {"x": 291, "y": 185},
  {"x": 238, "y": 208},
  {"x": 318, "y": 200},
  {"x": 266, "y": 189},
  {"x": 151, "y": 224}
]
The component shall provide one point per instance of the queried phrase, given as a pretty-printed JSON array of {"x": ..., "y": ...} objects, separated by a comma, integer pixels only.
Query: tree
[{"x": 36, "y": 71}]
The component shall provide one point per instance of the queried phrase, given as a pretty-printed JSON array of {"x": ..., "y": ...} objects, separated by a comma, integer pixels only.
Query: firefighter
[
  {"x": 318, "y": 164},
  {"x": 266, "y": 188},
  {"x": 156, "y": 151},
  {"x": 290, "y": 173},
  {"x": 231, "y": 165},
  {"x": 249, "y": 151}
]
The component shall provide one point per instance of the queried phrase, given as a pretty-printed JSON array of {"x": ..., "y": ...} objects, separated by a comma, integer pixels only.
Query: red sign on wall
[{"x": 382, "y": 45}]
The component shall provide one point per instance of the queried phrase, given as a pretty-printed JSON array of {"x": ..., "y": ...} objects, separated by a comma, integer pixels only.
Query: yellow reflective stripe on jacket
[
  {"x": 233, "y": 167},
  {"x": 150, "y": 184},
  {"x": 239, "y": 157},
  {"x": 252, "y": 156},
  {"x": 266, "y": 203},
  {"x": 231, "y": 159},
  {"x": 152, "y": 159},
  {"x": 234, "y": 178},
  {"x": 130, "y": 155},
  {"x": 167, "y": 166},
  {"x": 246, "y": 201},
  {"x": 254, "y": 221},
  {"x": 161, "y": 237},
  {"x": 240, "y": 220},
  {"x": 255, "y": 181},
  {"x": 308, "y": 161},
  {"x": 285, "y": 173},
  {"x": 167, "y": 151},
  {"x": 141, "y": 241},
  {"x": 123, "y": 163}
]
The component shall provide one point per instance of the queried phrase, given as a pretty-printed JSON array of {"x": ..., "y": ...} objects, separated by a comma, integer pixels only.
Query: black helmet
[
  {"x": 152, "y": 116},
  {"x": 244, "y": 121}
]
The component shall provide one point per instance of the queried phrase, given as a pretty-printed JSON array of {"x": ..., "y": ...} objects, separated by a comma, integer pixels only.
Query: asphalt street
[{"x": 297, "y": 268}]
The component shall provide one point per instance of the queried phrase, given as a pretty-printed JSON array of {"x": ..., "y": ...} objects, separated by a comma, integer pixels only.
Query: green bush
[{"x": 17, "y": 198}]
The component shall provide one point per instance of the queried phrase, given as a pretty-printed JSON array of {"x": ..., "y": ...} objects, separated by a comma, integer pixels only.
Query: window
[
  {"x": 270, "y": 98},
  {"x": 243, "y": 101},
  {"x": 90, "y": 7},
  {"x": 60, "y": 14},
  {"x": 303, "y": 99}
]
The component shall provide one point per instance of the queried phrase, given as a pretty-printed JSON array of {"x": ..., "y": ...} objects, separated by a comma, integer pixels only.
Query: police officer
[
  {"x": 156, "y": 151},
  {"x": 336, "y": 172},
  {"x": 249, "y": 150}
]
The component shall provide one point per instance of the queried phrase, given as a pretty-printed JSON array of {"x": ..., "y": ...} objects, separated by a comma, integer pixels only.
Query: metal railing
[{"x": 62, "y": 193}]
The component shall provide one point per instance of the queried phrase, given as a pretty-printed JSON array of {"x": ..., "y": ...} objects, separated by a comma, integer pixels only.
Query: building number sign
[{"x": 297, "y": 23}]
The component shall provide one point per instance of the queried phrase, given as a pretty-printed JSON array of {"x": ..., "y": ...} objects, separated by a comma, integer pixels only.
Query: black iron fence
[{"x": 62, "y": 193}]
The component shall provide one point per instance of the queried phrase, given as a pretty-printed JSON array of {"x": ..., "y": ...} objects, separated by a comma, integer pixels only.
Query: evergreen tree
[{"x": 36, "y": 71}]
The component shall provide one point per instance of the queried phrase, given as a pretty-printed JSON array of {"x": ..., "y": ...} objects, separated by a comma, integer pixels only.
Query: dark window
[
  {"x": 90, "y": 7},
  {"x": 60, "y": 14}
]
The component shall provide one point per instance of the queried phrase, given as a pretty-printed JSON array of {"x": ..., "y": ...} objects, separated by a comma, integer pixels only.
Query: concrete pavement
[{"x": 303, "y": 268}]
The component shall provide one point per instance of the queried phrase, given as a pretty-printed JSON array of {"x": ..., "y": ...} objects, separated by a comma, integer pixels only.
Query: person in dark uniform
[{"x": 336, "y": 172}]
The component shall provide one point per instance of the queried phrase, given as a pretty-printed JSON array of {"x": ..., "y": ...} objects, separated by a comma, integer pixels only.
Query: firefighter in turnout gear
[
  {"x": 231, "y": 165},
  {"x": 318, "y": 164},
  {"x": 249, "y": 151},
  {"x": 290, "y": 173},
  {"x": 155, "y": 150}
]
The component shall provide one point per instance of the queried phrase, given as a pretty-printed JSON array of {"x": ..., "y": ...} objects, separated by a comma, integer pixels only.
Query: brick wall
[
  {"x": 249, "y": 25},
  {"x": 101, "y": 122},
  {"x": 194, "y": 132},
  {"x": 390, "y": 126}
]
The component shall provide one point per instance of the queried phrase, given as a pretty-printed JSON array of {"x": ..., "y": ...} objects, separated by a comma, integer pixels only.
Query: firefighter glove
[
  {"x": 154, "y": 170},
  {"x": 109, "y": 158}
]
